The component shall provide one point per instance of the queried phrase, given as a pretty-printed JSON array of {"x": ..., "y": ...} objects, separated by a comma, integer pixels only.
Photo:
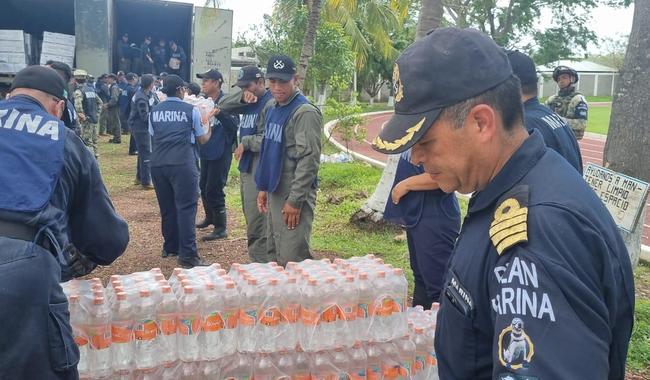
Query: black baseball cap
[
  {"x": 130, "y": 76},
  {"x": 120, "y": 73},
  {"x": 248, "y": 74},
  {"x": 280, "y": 67},
  {"x": 61, "y": 67},
  {"x": 522, "y": 66},
  {"x": 445, "y": 67},
  {"x": 172, "y": 83},
  {"x": 40, "y": 78},
  {"x": 211, "y": 74},
  {"x": 112, "y": 76}
]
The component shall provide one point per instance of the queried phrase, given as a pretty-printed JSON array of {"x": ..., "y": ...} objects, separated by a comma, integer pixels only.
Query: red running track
[{"x": 591, "y": 147}]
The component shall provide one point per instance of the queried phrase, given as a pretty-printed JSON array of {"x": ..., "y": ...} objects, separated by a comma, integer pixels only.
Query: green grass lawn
[{"x": 598, "y": 121}]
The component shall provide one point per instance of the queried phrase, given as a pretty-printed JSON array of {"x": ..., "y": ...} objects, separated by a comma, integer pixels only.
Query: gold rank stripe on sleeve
[{"x": 510, "y": 225}]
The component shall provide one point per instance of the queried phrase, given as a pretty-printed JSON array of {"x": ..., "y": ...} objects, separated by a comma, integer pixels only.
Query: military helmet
[
  {"x": 565, "y": 70},
  {"x": 79, "y": 73}
]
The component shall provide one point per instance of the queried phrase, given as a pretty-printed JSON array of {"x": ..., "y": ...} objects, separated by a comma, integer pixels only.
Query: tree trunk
[
  {"x": 310, "y": 40},
  {"x": 430, "y": 17},
  {"x": 373, "y": 209},
  {"x": 628, "y": 139}
]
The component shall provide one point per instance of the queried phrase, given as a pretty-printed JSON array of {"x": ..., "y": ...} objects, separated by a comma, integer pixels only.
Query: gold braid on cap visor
[{"x": 387, "y": 145}]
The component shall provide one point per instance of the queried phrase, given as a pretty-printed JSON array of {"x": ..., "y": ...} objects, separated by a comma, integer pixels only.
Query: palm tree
[
  {"x": 367, "y": 22},
  {"x": 373, "y": 209}
]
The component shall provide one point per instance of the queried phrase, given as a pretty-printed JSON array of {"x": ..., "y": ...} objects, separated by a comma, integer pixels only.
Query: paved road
[{"x": 591, "y": 146}]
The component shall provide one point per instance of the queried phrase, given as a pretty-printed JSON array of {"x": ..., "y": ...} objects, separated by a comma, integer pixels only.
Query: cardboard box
[
  {"x": 58, "y": 38},
  {"x": 13, "y": 58},
  {"x": 12, "y": 46},
  {"x": 8, "y": 34},
  {"x": 11, "y": 68},
  {"x": 57, "y": 49}
]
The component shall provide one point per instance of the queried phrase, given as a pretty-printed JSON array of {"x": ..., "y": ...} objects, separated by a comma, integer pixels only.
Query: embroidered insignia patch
[
  {"x": 510, "y": 224},
  {"x": 516, "y": 349}
]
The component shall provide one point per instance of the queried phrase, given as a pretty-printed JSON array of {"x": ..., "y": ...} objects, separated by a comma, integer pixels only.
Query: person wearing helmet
[
  {"x": 87, "y": 103},
  {"x": 570, "y": 104}
]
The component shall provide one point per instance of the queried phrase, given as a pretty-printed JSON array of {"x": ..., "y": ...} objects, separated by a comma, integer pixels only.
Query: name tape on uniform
[{"x": 623, "y": 196}]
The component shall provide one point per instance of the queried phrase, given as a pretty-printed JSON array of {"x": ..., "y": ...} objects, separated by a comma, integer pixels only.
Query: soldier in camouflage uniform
[
  {"x": 568, "y": 102},
  {"x": 87, "y": 103}
]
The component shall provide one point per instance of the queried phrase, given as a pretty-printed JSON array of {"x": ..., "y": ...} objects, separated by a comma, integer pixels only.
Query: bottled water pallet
[{"x": 314, "y": 318}]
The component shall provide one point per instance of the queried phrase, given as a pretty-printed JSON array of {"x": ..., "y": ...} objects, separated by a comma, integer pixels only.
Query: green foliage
[
  {"x": 511, "y": 22},
  {"x": 333, "y": 60},
  {"x": 639, "y": 352},
  {"x": 350, "y": 125},
  {"x": 613, "y": 51}
]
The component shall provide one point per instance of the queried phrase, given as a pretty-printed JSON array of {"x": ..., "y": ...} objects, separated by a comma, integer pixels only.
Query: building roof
[{"x": 579, "y": 66}]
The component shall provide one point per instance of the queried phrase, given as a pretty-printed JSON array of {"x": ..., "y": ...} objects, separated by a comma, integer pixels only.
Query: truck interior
[
  {"x": 37, "y": 16},
  {"x": 139, "y": 18}
]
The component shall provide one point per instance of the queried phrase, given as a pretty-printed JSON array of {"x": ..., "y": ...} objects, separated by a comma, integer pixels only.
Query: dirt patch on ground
[{"x": 140, "y": 209}]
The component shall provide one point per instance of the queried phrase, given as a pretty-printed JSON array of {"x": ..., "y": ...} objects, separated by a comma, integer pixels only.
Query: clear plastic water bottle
[
  {"x": 286, "y": 364},
  {"x": 146, "y": 333},
  {"x": 78, "y": 318},
  {"x": 302, "y": 365},
  {"x": 122, "y": 334},
  {"x": 252, "y": 299},
  {"x": 231, "y": 318},
  {"x": 310, "y": 317},
  {"x": 189, "y": 325},
  {"x": 347, "y": 327},
  {"x": 399, "y": 287},
  {"x": 264, "y": 369},
  {"x": 421, "y": 367},
  {"x": 210, "y": 369},
  {"x": 406, "y": 349},
  {"x": 391, "y": 367},
  {"x": 363, "y": 311},
  {"x": 358, "y": 362},
  {"x": 171, "y": 371},
  {"x": 238, "y": 366},
  {"x": 341, "y": 361},
  {"x": 382, "y": 308},
  {"x": 322, "y": 368},
  {"x": 189, "y": 371},
  {"x": 375, "y": 361},
  {"x": 330, "y": 315},
  {"x": 213, "y": 323},
  {"x": 270, "y": 320},
  {"x": 167, "y": 321},
  {"x": 291, "y": 313},
  {"x": 99, "y": 336}
]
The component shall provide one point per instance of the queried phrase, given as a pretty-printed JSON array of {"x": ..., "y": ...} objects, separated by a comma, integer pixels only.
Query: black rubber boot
[
  {"x": 219, "y": 232},
  {"x": 208, "y": 218},
  {"x": 189, "y": 263}
]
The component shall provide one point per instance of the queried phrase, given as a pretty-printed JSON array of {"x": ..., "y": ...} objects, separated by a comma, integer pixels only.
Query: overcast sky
[{"x": 606, "y": 22}]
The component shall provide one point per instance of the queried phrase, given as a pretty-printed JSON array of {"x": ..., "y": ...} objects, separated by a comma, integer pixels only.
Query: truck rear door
[{"x": 212, "y": 41}]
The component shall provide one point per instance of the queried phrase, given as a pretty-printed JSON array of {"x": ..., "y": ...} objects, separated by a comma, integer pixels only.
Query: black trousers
[
  {"x": 214, "y": 175},
  {"x": 175, "y": 187},
  {"x": 143, "y": 146}
]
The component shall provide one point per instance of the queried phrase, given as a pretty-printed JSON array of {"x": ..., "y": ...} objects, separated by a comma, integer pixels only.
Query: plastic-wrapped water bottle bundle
[{"x": 312, "y": 320}]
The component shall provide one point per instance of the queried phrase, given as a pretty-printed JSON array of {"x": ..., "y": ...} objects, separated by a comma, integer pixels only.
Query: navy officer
[{"x": 539, "y": 285}]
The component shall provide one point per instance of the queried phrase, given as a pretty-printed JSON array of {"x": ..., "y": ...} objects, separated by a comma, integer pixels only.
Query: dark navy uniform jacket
[
  {"x": 557, "y": 134},
  {"x": 52, "y": 186},
  {"x": 540, "y": 284},
  {"x": 80, "y": 211}
]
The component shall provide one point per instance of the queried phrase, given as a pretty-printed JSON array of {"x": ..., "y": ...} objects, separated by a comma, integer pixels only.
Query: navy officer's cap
[
  {"x": 447, "y": 66},
  {"x": 280, "y": 67}
]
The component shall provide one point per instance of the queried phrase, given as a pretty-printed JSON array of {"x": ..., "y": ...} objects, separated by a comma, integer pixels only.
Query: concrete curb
[
  {"x": 358, "y": 156},
  {"x": 645, "y": 250}
]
